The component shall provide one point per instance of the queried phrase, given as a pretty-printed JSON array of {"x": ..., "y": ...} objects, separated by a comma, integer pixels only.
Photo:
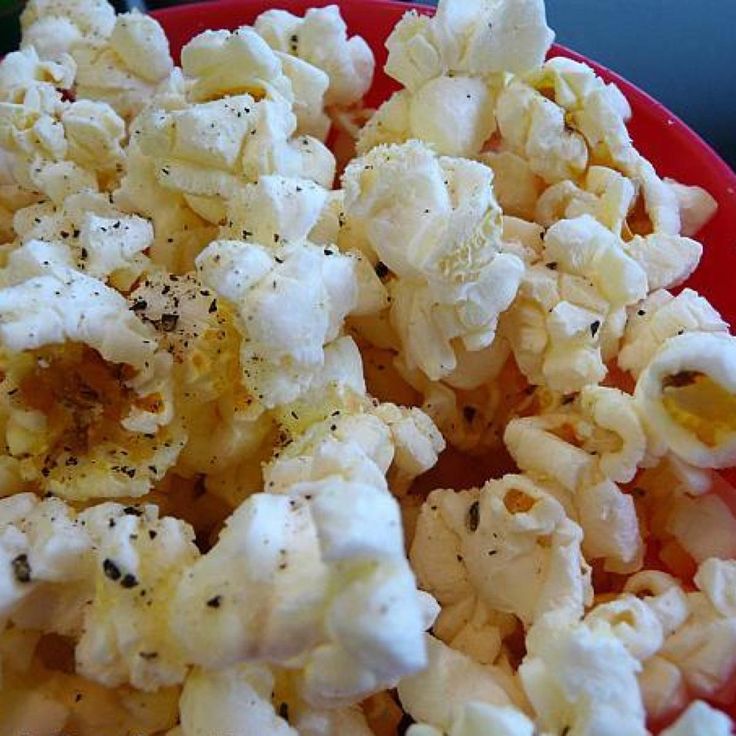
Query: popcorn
[
  {"x": 302, "y": 553},
  {"x": 232, "y": 700},
  {"x": 569, "y": 314},
  {"x": 582, "y": 679},
  {"x": 534, "y": 128},
  {"x": 282, "y": 349},
  {"x": 55, "y": 327},
  {"x": 702, "y": 648},
  {"x": 138, "y": 560},
  {"x": 697, "y": 207},
  {"x": 480, "y": 40},
  {"x": 684, "y": 396},
  {"x": 452, "y": 281},
  {"x": 47, "y": 566},
  {"x": 126, "y": 69},
  {"x": 55, "y": 27},
  {"x": 701, "y": 718},
  {"x": 661, "y": 316},
  {"x": 453, "y": 114},
  {"x": 450, "y": 680},
  {"x": 95, "y": 237},
  {"x": 320, "y": 38},
  {"x": 483, "y": 541}
]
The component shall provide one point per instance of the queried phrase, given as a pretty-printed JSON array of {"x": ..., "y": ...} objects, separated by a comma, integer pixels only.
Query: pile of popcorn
[{"x": 221, "y": 377}]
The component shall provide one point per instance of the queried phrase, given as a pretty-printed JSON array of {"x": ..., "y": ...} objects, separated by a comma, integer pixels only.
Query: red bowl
[{"x": 675, "y": 150}]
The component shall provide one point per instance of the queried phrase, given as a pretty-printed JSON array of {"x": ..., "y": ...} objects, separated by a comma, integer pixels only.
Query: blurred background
[{"x": 679, "y": 51}]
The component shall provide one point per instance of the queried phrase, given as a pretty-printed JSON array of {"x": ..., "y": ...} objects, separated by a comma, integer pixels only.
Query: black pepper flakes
[
  {"x": 213, "y": 306},
  {"x": 214, "y": 602},
  {"x": 284, "y": 711},
  {"x": 111, "y": 570},
  {"x": 381, "y": 270},
  {"x": 129, "y": 581},
  {"x": 132, "y": 511},
  {"x": 594, "y": 327},
  {"x": 169, "y": 321},
  {"x": 21, "y": 568},
  {"x": 472, "y": 520},
  {"x": 152, "y": 534}
]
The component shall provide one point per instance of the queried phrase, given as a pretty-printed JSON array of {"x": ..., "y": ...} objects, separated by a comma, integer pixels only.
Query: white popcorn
[
  {"x": 138, "y": 559},
  {"x": 703, "y": 719},
  {"x": 516, "y": 186},
  {"x": 663, "y": 594},
  {"x": 534, "y": 127},
  {"x": 286, "y": 317},
  {"x": 321, "y": 39},
  {"x": 487, "y": 543},
  {"x": 716, "y": 579},
  {"x": 293, "y": 553},
  {"x": 697, "y": 207},
  {"x": 667, "y": 260},
  {"x": 46, "y": 564},
  {"x": 606, "y": 195},
  {"x": 659, "y": 317},
  {"x": 232, "y": 700},
  {"x": 99, "y": 239},
  {"x": 583, "y": 680},
  {"x": 27, "y": 79},
  {"x": 435, "y": 224},
  {"x": 453, "y": 114},
  {"x": 54, "y": 27},
  {"x": 633, "y": 622},
  {"x": 479, "y": 39},
  {"x": 685, "y": 398},
  {"x": 450, "y": 680},
  {"x": 662, "y": 687},
  {"x": 128, "y": 67}
]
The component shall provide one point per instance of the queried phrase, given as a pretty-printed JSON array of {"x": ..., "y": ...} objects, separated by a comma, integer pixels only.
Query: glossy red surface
[{"x": 675, "y": 150}]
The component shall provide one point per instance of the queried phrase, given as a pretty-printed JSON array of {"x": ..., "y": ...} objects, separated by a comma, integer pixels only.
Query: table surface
[{"x": 682, "y": 52}]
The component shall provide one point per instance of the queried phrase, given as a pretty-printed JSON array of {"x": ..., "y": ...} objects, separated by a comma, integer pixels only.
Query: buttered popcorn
[{"x": 427, "y": 447}]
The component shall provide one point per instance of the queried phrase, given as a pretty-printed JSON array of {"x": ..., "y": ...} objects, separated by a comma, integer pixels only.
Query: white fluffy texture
[
  {"x": 291, "y": 301},
  {"x": 100, "y": 240},
  {"x": 664, "y": 596},
  {"x": 569, "y": 315},
  {"x": 600, "y": 437},
  {"x": 23, "y": 71},
  {"x": 230, "y": 701},
  {"x": 704, "y": 526},
  {"x": 693, "y": 419},
  {"x": 54, "y": 27},
  {"x": 582, "y": 679},
  {"x": 126, "y": 70},
  {"x": 55, "y": 305},
  {"x": 631, "y": 621},
  {"x": 212, "y": 149},
  {"x": 534, "y": 127},
  {"x": 46, "y": 564},
  {"x": 125, "y": 637},
  {"x": 82, "y": 575},
  {"x": 661, "y": 316},
  {"x": 605, "y": 195},
  {"x": 667, "y": 260},
  {"x": 487, "y": 544},
  {"x": 316, "y": 571},
  {"x": 451, "y": 680},
  {"x": 321, "y": 39},
  {"x": 697, "y": 207},
  {"x": 435, "y": 224},
  {"x": 703, "y": 647},
  {"x": 717, "y": 578},
  {"x": 702, "y": 719},
  {"x": 477, "y": 38},
  {"x": 453, "y": 114}
]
